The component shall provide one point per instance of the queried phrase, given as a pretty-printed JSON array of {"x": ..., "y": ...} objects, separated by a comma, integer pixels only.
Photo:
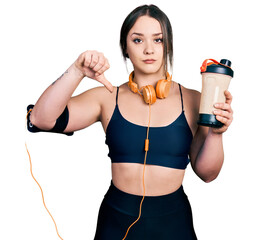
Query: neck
[{"x": 143, "y": 79}]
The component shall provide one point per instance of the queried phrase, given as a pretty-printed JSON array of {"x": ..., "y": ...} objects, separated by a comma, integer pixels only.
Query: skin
[{"x": 145, "y": 50}]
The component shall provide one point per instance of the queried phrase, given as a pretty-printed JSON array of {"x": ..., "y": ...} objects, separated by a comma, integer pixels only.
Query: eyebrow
[{"x": 141, "y": 34}]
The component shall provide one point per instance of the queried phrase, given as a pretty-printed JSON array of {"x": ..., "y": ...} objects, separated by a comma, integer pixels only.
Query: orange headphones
[{"x": 148, "y": 92}]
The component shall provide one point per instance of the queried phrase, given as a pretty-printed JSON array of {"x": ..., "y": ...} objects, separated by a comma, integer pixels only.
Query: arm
[
  {"x": 57, "y": 96},
  {"x": 206, "y": 151}
]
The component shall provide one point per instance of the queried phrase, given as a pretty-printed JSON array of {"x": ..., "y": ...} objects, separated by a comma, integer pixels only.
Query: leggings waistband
[{"x": 152, "y": 205}]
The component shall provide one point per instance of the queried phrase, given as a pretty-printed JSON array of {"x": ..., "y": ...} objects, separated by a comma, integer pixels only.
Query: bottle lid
[{"x": 222, "y": 67}]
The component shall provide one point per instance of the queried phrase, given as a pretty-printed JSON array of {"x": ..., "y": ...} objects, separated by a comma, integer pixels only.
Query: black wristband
[{"x": 60, "y": 126}]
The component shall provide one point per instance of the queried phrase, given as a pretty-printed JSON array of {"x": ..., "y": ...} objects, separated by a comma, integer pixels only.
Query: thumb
[{"x": 102, "y": 79}]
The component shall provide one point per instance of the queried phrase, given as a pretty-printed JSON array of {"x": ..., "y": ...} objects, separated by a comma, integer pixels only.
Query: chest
[{"x": 129, "y": 138}]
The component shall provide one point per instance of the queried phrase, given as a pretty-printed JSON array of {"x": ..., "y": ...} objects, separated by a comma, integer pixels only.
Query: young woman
[{"x": 170, "y": 124}]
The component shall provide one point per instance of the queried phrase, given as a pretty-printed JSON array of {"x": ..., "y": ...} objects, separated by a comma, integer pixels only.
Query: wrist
[{"x": 78, "y": 73}]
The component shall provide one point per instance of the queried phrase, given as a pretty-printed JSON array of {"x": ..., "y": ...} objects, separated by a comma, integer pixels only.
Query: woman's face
[{"x": 145, "y": 46}]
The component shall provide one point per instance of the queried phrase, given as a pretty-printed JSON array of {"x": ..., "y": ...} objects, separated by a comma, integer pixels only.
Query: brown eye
[
  {"x": 159, "y": 40},
  {"x": 137, "y": 40}
]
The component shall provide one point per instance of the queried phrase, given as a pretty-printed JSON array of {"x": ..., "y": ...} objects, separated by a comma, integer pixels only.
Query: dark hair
[{"x": 154, "y": 12}]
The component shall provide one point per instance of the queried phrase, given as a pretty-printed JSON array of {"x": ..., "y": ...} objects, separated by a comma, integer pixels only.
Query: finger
[
  {"x": 94, "y": 60},
  {"x": 101, "y": 66},
  {"x": 228, "y": 97},
  {"x": 223, "y": 106},
  {"x": 220, "y": 130},
  {"x": 102, "y": 79},
  {"x": 87, "y": 59},
  {"x": 227, "y": 104},
  {"x": 224, "y": 114},
  {"x": 225, "y": 121}
]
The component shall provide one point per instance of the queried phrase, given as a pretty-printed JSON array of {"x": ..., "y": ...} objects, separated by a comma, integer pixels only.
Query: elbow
[
  {"x": 207, "y": 175},
  {"x": 33, "y": 118},
  {"x": 207, "y": 178},
  {"x": 37, "y": 121}
]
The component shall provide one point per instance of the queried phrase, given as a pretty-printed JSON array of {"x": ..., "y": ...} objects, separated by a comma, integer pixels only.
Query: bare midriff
[{"x": 128, "y": 177}]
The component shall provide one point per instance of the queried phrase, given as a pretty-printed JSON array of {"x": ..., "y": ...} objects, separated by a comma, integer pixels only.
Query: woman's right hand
[{"x": 93, "y": 64}]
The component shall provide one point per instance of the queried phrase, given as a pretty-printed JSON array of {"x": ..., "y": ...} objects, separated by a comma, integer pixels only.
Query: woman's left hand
[{"x": 224, "y": 113}]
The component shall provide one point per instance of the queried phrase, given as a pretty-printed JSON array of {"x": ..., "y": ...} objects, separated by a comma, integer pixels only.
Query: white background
[{"x": 41, "y": 39}]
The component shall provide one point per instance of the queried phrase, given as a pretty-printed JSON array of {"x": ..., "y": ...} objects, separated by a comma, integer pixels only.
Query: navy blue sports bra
[{"x": 169, "y": 145}]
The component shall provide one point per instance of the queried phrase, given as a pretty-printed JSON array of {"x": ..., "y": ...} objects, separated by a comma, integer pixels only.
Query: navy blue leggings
[{"x": 163, "y": 217}]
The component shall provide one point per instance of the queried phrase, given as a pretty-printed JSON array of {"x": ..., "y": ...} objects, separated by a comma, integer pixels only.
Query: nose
[{"x": 148, "y": 48}]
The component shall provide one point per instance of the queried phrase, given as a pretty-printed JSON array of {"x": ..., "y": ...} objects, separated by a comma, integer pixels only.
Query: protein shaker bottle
[{"x": 216, "y": 78}]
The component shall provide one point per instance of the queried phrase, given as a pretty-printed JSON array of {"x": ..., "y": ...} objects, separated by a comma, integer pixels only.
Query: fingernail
[
  {"x": 216, "y": 105},
  {"x": 111, "y": 89}
]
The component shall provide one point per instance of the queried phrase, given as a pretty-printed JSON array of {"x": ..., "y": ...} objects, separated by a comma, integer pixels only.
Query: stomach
[{"x": 128, "y": 177}]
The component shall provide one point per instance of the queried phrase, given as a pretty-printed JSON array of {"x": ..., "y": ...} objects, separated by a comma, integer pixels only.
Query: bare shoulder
[
  {"x": 98, "y": 92},
  {"x": 191, "y": 92},
  {"x": 101, "y": 96},
  {"x": 106, "y": 98},
  {"x": 192, "y": 97},
  {"x": 97, "y": 95},
  {"x": 191, "y": 101},
  {"x": 108, "y": 103}
]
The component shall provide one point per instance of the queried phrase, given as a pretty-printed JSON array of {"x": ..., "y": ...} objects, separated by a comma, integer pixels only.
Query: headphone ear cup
[
  {"x": 162, "y": 88},
  {"x": 133, "y": 86},
  {"x": 149, "y": 94}
]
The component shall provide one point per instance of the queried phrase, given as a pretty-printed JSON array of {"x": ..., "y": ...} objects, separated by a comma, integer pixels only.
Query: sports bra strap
[
  {"x": 181, "y": 95},
  {"x": 117, "y": 95}
]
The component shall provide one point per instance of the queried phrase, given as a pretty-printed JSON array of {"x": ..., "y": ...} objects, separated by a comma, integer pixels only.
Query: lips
[{"x": 149, "y": 61}]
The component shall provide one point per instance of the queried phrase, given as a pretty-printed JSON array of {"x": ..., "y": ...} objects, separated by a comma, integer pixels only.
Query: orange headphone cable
[
  {"x": 39, "y": 184},
  {"x": 143, "y": 176},
  {"x": 143, "y": 179}
]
